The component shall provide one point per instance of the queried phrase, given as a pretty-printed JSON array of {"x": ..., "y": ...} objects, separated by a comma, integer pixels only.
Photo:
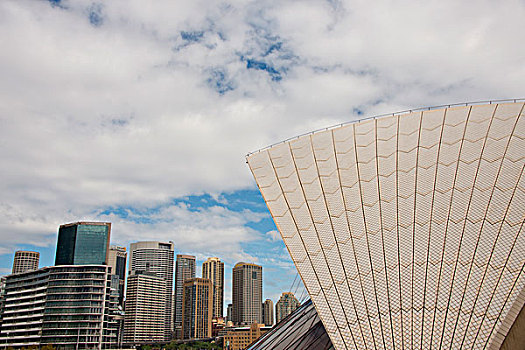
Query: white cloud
[
  {"x": 130, "y": 113},
  {"x": 210, "y": 231},
  {"x": 274, "y": 235}
]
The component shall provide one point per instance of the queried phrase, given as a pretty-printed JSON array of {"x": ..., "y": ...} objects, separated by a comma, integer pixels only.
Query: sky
[{"x": 141, "y": 113}]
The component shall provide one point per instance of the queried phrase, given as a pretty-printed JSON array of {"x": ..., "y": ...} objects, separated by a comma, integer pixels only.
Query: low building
[
  {"x": 241, "y": 337},
  {"x": 70, "y": 307},
  {"x": 217, "y": 325}
]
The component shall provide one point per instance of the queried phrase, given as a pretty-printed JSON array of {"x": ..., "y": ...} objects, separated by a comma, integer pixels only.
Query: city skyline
[
  {"x": 148, "y": 301},
  {"x": 143, "y": 257}
]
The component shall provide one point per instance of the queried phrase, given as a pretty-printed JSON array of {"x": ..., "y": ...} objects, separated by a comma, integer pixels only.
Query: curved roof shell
[{"x": 407, "y": 229}]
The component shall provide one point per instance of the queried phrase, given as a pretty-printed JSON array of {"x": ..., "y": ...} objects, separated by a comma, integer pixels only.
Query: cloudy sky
[{"x": 141, "y": 113}]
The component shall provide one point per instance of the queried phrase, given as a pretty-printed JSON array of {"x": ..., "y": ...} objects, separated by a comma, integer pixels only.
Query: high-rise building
[
  {"x": 213, "y": 269},
  {"x": 247, "y": 294},
  {"x": 287, "y": 304},
  {"x": 157, "y": 258},
  {"x": 268, "y": 312},
  {"x": 117, "y": 261},
  {"x": 25, "y": 261},
  {"x": 83, "y": 243},
  {"x": 184, "y": 270},
  {"x": 197, "y": 308},
  {"x": 145, "y": 317},
  {"x": 70, "y": 307},
  {"x": 407, "y": 228}
]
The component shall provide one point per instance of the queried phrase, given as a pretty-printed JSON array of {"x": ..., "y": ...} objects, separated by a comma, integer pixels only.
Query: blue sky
[{"x": 141, "y": 113}]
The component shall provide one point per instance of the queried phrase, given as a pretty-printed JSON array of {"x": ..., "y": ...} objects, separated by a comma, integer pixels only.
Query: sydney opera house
[{"x": 407, "y": 229}]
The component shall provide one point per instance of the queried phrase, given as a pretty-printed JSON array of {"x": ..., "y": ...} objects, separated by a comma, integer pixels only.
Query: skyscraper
[
  {"x": 117, "y": 261},
  {"x": 247, "y": 293},
  {"x": 287, "y": 304},
  {"x": 156, "y": 258},
  {"x": 197, "y": 308},
  {"x": 145, "y": 317},
  {"x": 213, "y": 269},
  {"x": 25, "y": 261},
  {"x": 268, "y": 312},
  {"x": 83, "y": 243},
  {"x": 184, "y": 270},
  {"x": 407, "y": 228}
]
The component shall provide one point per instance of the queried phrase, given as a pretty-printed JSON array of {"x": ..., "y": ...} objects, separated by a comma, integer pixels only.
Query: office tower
[
  {"x": 184, "y": 270},
  {"x": 407, "y": 228},
  {"x": 117, "y": 261},
  {"x": 229, "y": 313},
  {"x": 145, "y": 317},
  {"x": 213, "y": 269},
  {"x": 287, "y": 304},
  {"x": 25, "y": 261},
  {"x": 83, "y": 243},
  {"x": 247, "y": 293},
  {"x": 70, "y": 307},
  {"x": 268, "y": 312},
  {"x": 157, "y": 258},
  {"x": 197, "y": 308}
]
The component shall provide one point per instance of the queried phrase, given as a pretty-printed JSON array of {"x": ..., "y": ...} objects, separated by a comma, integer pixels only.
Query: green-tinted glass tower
[{"x": 83, "y": 243}]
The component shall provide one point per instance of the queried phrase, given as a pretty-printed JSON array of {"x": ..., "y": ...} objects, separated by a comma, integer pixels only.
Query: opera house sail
[{"x": 407, "y": 229}]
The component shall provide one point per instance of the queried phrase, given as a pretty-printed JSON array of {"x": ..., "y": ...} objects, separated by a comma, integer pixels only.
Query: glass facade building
[
  {"x": 83, "y": 243},
  {"x": 407, "y": 229}
]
